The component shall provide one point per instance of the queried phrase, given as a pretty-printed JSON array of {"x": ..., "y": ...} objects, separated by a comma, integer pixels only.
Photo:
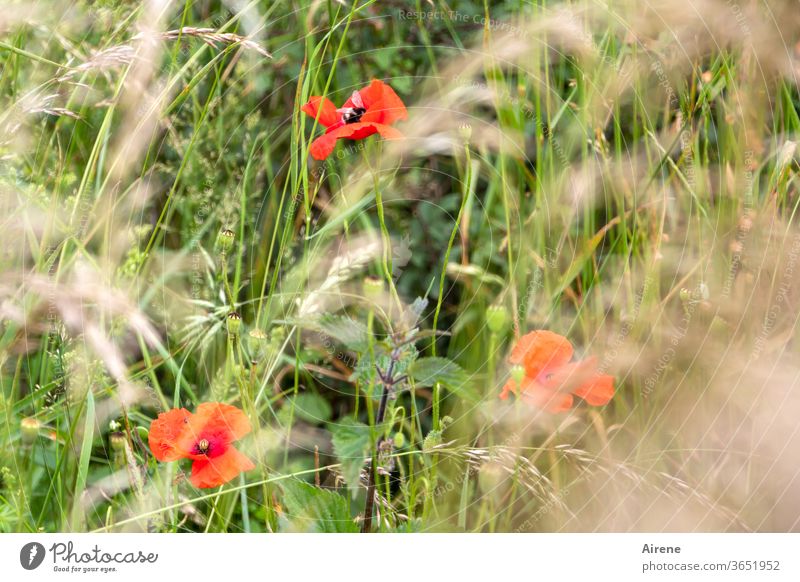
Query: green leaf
[
  {"x": 351, "y": 441},
  {"x": 311, "y": 509},
  {"x": 78, "y": 516},
  {"x": 428, "y": 371},
  {"x": 346, "y": 330},
  {"x": 312, "y": 408}
]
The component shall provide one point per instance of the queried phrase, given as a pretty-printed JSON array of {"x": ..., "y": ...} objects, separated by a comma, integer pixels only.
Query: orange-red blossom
[
  {"x": 550, "y": 379},
  {"x": 206, "y": 437}
]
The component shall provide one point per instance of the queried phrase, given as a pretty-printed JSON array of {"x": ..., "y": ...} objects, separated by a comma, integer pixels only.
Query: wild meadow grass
[{"x": 622, "y": 174}]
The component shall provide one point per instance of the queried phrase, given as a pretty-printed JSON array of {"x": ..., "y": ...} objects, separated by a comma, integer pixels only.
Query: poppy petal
[
  {"x": 543, "y": 397},
  {"x": 165, "y": 434},
  {"x": 219, "y": 416},
  {"x": 373, "y": 93},
  {"x": 214, "y": 472},
  {"x": 598, "y": 391},
  {"x": 324, "y": 107},
  {"x": 509, "y": 388},
  {"x": 541, "y": 350},
  {"x": 382, "y": 104},
  {"x": 322, "y": 147}
]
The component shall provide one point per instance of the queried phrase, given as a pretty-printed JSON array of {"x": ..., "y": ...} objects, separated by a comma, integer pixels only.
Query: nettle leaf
[
  {"x": 365, "y": 370},
  {"x": 353, "y": 334},
  {"x": 311, "y": 509},
  {"x": 311, "y": 407},
  {"x": 351, "y": 442},
  {"x": 428, "y": 371}
]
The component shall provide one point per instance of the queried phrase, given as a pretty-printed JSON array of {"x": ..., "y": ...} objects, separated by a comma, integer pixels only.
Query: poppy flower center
[
  {"x": 203, "y": 446},
  {"x": 353, "y": 115}
]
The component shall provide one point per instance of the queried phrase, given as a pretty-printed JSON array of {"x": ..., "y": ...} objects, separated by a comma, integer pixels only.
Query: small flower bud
[
  {"x": 399, "y": 440},
  {"x": 257, "y": 342},
  {"x": 518, "y": 374},
  {"x": 116, "y": 441},
  {"x": 234, "y": 323},
  {"x": 29, "y": 430},
  {"x": 144, "y": 434},
  {"x": 497, "y": 318},
  {"x": 373, "y": 287},
  {"x": 225, "y": 240}
]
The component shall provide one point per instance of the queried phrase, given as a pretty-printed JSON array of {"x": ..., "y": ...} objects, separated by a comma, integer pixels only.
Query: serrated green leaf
[
  {"x": 351, "y": 441},
  {"x": 428, "y": 371},
  {"x": 311, "y": 509},
  {"x": 312, "y": 408},
  {"x": 345, "y": 330}
]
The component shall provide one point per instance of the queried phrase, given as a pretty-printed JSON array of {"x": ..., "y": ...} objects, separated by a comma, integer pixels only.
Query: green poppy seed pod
[
  {"x": 517, "y": 374},
  {"x": 116, "y": 441},
  {"x": 257, "y": 342},
  {"x": 373, "y": 287},
  {"x": 234, "y": 323},
  {"x": 399, "y": 440},
  {"x": 497, "y": 318},
  {"x": 29, "y": 430},
  {"x": 225, "y": 240},
  {"x": 465, "y": 131}
]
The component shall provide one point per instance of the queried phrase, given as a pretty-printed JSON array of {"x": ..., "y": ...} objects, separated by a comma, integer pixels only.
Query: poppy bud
[
  {"x": 518, "y": 374},
  {"x": 234, "y": 323},
  {"x": 399, "y": 440},
  {"x": 373, "y": 287},
  {"x": 143, "y": 433},
  {"x": 497, "y": 318},
  {"x": 116, "y": 441},
  {"x": 29, "y": 430},
  {"x": 225, "y": 240},
  {"x": 257, "y": 344}
]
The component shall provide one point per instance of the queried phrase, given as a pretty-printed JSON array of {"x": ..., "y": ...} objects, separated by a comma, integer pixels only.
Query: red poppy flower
[
  {"x": 371, "y": 110},
  {"x": 551, "y": 379},
  {"x": 205, "y": 437}
]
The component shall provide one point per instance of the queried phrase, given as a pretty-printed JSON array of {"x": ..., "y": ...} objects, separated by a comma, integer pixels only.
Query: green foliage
[
  {"x": 351, "y": 440},
  {"x": 430, "y": 370},
  {"x": 613, "y": 189},
  {"x": 311, "y": 407},
  {"x": 311, "y": 509}
]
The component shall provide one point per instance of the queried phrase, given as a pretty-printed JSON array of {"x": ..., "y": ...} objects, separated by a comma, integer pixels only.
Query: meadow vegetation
[{"x": 623, "y": 174}]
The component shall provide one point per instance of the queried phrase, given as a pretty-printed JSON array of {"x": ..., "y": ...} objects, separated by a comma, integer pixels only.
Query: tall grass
[{"x": 624, "y": 175}]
